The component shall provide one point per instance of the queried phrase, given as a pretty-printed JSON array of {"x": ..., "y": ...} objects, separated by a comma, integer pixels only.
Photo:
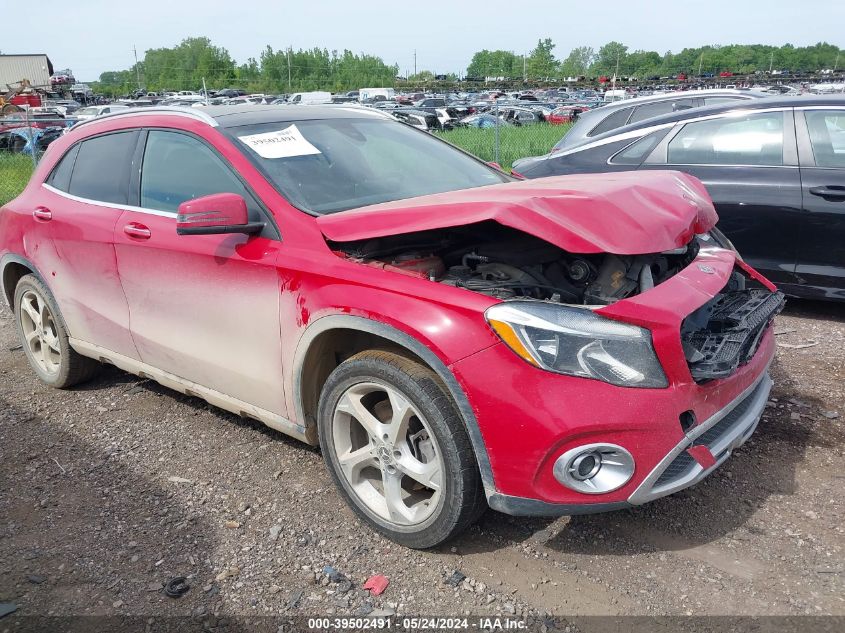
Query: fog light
[{"x": 594, "y": 468}]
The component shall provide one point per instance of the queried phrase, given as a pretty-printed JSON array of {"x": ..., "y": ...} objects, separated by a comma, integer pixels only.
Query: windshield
[
  {"x": 86, "y": 111},
  {"x": 331, "y": 165}
]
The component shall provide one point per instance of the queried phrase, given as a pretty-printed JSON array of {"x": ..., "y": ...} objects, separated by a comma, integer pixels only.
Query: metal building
[{"x": 37, "y": 68}]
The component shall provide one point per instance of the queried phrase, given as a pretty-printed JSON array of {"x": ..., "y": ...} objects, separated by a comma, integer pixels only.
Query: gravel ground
[{"x": 109, "y": 490}]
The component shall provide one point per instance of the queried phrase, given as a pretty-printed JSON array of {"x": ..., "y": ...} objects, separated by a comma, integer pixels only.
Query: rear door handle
[
  {"x": 833, "y": 191},
  {"x": 137, "y": 230},
  {"x": 42, "y": 213}
]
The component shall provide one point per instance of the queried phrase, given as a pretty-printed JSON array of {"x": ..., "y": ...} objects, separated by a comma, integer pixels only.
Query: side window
[
  {"x": 60, "y": 176},
  {"x": 649, "y": 110},
  {"x": 827, "y": 135},
  {"x": 612, "y": 121},
  {"x": 101, "y": 170},
  {"x": 178, "y": 167},
  {"x": 752, "y": 139},
  {"x": 636, "y": 153}
]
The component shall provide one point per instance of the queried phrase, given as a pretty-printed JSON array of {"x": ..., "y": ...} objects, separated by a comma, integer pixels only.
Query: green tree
[
  {"x": 497, "y": 63},
  {"x": 578, "y": 61},
  {"x": 610, "y": 57},
  {"x": 541, "y": 61}
]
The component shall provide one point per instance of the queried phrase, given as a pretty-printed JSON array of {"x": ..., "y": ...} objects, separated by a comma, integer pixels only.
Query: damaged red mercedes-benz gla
[{"x": 451, "y": 337}]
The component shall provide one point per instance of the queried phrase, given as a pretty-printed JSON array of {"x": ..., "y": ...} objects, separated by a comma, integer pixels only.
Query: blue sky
[{"x": 90, "y": 36}]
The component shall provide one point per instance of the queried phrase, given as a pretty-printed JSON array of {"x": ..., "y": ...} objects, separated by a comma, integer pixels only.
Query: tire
[
  {"x": 410, "y": 425},
  {"x": 47, "y": 348}
]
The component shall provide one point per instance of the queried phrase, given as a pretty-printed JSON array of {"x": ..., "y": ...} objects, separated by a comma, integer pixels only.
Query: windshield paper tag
[{"x": 280, "y": 144}]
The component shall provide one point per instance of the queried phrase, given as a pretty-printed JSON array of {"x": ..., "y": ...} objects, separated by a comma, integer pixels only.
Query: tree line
[
  {"x": 615, "y": 58},
  {"x": 184, "y": 66}
]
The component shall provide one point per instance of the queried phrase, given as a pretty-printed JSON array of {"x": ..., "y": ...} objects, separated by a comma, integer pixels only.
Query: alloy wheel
[
  {"x": 387, "y": 453},
  {"x": 40, "y": 333}
]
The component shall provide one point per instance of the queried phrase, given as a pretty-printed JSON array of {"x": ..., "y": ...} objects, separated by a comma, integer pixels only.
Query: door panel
[
  {"x": 204, "y": 307},
  {"x": 76, "y": 255},
  {"x": 749, "y": 167},
  {"x": 74, "y": 234},
  {"x": 820, "y": 270}
]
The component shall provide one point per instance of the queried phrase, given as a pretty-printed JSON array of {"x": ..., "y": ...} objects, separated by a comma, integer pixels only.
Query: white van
[
  {"x": 310, "y": 98},
  {"x": 614, "y": 95},
  {"x": 369, "y": 93}
]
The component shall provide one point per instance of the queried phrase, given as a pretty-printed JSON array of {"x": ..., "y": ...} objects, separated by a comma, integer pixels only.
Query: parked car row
[{"x": 774, "y": 167}]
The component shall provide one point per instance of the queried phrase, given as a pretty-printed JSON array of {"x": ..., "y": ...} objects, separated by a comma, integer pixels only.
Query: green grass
[
  {"x": 514, "y": 142},
  {"x": 15, "y": 170}
]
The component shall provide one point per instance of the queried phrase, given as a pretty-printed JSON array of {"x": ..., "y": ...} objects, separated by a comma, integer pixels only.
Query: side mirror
[{"x": 216, "y": 214}]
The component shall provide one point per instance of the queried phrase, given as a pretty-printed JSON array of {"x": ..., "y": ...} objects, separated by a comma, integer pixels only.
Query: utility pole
[
  {"x": 524, "y": 70},
  {"x": 288, "y": 68},
  {"x": 415, "y": 62},
  {"x": 836, "y": 63},
  {"x": 771, "y": 61},
  {"x": 137, "y": 69},
  {"x": 700, "y": 61}
]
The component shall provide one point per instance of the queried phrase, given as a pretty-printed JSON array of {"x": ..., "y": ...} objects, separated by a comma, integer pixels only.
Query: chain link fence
[
  {"x": 504, "y": 133},
  {"x": 24, "y": 136}
]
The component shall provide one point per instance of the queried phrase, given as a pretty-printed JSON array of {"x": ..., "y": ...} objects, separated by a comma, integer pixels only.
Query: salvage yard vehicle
[
  {"x": 451, "y": 337},
  {"x": 774, "y": 167},
  {"x": 615, "y": 115},
  {"x": 90, "y": 112}
]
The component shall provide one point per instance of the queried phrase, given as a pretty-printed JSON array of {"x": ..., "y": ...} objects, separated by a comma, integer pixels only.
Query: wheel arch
[
  {"x": 327, "y": 340},
  {"x": 12, "y": 269}
]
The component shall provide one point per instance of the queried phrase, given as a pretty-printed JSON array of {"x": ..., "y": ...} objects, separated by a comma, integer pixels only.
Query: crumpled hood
[{"x": 625, "y": 213}]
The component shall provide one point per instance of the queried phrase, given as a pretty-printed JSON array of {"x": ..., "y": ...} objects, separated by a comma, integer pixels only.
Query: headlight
[{"x": 578, "y": 342}]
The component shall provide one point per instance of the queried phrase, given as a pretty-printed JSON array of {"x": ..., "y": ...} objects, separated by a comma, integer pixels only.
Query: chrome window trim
[
  {"x": 648, "y": 130},
  {"x": 108, "y": 205},
  {"x": 634, "y": 134}
]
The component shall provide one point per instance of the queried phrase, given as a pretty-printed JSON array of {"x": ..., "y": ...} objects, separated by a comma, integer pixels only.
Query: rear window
[
  {"x": 650, "y": 110},
  {"x": 636, "y": 153},
  {"x": 612, "y": 121},
  {"x": 101, "y": 171},
  {"x": 60, "y": 176}
]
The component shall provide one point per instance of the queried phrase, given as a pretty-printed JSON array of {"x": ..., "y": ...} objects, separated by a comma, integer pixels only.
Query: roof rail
[{"x": 193, "y": 113}]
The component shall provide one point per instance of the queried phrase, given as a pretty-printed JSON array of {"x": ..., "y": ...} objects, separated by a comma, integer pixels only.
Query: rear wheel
[
  {"x": 397, "y": 449},
  {"x": 44, "y": 337}
]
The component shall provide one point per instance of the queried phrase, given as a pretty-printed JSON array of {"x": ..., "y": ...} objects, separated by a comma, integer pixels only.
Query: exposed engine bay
[{"x": 505, "y": 263}]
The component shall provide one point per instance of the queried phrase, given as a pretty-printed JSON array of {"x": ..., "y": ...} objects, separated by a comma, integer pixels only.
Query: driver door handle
[
  {"x": 137, "y": 230},
  {"x": 832, "y": 191}
]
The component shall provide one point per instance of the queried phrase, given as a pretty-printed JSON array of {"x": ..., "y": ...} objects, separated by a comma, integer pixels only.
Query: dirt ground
[{"x": 109, "y": 490}]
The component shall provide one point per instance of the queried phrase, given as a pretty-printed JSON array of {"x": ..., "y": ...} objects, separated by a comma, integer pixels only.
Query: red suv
[{"x": 452, "y": 338}]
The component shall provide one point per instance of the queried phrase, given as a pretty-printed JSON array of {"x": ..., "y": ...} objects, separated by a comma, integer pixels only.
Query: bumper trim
[
  {"x": 525, "y": 507},
  {"x": 753, "y": 399}
]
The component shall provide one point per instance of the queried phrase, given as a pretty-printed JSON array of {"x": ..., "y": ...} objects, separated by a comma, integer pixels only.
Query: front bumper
[{"x": 703, "y": 449}]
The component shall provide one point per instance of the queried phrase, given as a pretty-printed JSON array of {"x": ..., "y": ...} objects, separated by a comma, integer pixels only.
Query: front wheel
[{"x": 397, "y": 449}]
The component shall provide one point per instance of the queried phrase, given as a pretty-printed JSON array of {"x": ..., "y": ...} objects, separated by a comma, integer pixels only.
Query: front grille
[
  {"x": 726, "y": 332},
  {"x": 679, "y": 467},
  {"x": 710, "y": 438},
  {"x": 684, "y": 462}
]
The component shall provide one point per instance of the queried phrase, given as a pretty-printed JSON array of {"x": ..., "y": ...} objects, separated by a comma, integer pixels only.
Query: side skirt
[{"x": 171, "y": 381}]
